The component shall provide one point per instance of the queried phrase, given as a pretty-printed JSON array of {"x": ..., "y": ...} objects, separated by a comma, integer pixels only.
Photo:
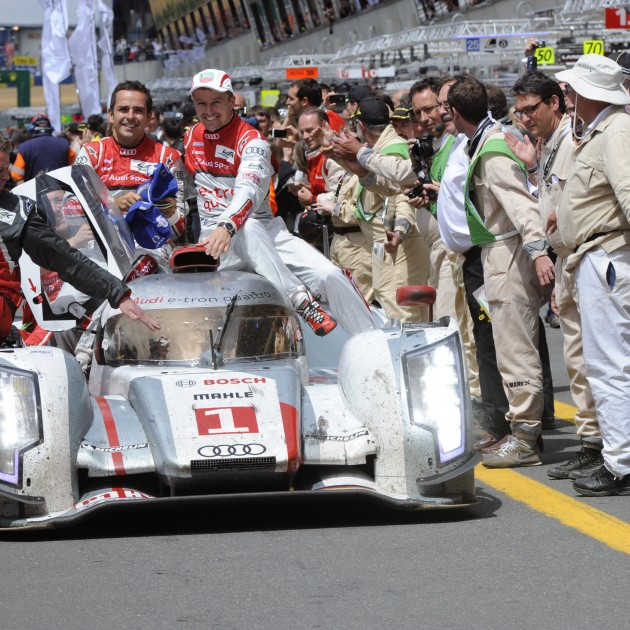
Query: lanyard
[{"x": 552, "y": 155}]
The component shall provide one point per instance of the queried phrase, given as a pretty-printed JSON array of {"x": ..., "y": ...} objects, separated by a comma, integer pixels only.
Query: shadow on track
[{"x": 234, "y": 514}]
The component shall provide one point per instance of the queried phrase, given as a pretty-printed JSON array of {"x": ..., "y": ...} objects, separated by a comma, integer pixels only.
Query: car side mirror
[
  {"x": 191, "y": 258},
  {"x": 416, "y": 296}
]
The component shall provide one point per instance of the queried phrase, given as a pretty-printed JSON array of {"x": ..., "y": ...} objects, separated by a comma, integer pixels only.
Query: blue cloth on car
[{"x": 150, "y": 227}]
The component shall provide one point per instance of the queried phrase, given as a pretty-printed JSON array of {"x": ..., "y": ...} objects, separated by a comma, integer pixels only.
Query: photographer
[
  {"x": 432, "y": 155},
  {"x": 349, "y": 248},
  {"x": 400, "y": 253},
  {"x": 323, "y": 175}
]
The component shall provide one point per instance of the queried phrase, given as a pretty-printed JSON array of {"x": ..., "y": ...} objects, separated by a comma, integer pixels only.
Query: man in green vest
[
  {"x": 504, "y": 220},
  {"x": 400, "y": 252}
]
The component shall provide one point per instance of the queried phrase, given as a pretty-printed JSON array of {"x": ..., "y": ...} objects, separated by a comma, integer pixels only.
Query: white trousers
[
  {"x": 291, "y": 265},
  {"x": 603, "y": 284},
  {"x": 322, "y": 278}
]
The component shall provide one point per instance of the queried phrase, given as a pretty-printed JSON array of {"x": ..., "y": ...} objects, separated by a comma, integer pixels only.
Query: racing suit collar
[
  {"x": 226, "y": 129},
  {"x": 129, "y": 150}
]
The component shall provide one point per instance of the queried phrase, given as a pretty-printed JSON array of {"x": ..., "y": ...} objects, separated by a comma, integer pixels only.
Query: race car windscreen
[
  {"x": 65, "y": 215},
  {"x": 110, "y": 220},
  {"x": 254, "y": 332}
]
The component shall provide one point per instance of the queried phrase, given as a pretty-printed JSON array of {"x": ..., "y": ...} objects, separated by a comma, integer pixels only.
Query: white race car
[{"x": 231, "y": 395}]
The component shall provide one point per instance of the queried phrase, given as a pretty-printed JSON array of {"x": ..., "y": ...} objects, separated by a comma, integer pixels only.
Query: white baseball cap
[
  {"x": 211, "y": 80},
  {"x": 597, "y": 78}
]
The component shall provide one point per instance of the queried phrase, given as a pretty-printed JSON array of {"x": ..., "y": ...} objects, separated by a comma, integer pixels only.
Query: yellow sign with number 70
[{"x": 594, "y": 47}]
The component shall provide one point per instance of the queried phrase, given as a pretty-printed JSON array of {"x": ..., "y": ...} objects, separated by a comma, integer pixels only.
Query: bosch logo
[
  {"x": 127, "y": 152},
  {"x": 231, "y": 450},
  {"x": 257, "y": 151},
  {"x": 186, "y": 383},
  {"x": 212, "y": 136}
]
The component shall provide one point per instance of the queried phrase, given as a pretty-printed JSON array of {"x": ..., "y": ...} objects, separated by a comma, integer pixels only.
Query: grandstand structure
[{"x": 387, "y": 43}]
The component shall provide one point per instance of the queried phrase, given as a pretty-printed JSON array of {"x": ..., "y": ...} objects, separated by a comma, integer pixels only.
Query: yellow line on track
[
  {"x": 564, "y": 411},
  {"x": 586, "y": 519},
  {"x": 570, "y": 512}
]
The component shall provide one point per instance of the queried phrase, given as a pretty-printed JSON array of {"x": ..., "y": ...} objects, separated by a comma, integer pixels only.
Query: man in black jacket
[{"x": 21, "y": 228}]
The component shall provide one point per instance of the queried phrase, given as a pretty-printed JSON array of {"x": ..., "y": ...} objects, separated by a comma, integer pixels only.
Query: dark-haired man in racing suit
[
  {"x": 21, "y": 228},
  {"x": 231, "y": 165},
  {"x": 122, "y": 161}
]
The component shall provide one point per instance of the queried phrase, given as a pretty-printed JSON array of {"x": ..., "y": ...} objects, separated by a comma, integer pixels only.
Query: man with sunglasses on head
[
  {"x": 540, "y": 107},
  {"x": 594, "y": 223}
]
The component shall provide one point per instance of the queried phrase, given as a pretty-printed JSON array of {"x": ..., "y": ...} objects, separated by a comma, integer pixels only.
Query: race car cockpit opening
[{"x": 253, "y": 332}]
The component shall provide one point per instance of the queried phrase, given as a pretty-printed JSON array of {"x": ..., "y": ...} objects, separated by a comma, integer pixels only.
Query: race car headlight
[
  {"x": 20, "y": 425},
  {"x": 434, "y": 379}
]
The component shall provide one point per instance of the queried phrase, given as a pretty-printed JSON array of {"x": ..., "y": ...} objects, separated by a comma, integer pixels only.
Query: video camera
[
  {"x": 421, "y": 152},
  {"x": 531, "y": 62}
]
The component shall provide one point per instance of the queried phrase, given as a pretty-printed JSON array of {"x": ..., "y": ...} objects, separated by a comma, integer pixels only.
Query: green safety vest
[
  {"x": 479, "y": 234},
  {"x": 438, "y": 166},
  {"x": 399, "y": 148}
]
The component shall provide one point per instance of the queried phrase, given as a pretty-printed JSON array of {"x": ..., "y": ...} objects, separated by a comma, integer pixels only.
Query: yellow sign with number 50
[
  {"x": 545, "y": 56},
  {"x": 594, "y": 47}
]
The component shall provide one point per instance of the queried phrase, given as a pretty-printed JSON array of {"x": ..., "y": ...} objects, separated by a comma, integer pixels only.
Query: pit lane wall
[{"x": 395, "y": 16}]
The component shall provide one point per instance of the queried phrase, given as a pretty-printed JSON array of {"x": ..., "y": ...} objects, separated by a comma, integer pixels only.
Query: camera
[
  {"x": 421, "y": 151},
  {"x": 278, "y": 133},
  {"x": 531, "y": 63},
  {"x": 420, "y": 154},
  {"x": 416, "y": 191},
  {"x": 337, "y": 99},
  {"x": 540, "y": 43}
]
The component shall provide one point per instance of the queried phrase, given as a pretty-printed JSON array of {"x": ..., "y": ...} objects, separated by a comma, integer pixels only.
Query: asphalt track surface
[{"x": 530, "y": 554}]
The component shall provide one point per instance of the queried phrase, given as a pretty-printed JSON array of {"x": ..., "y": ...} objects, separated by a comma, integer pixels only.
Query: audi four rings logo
[
  {"x": 212, "y": 136},
  {"x": 186, "y": 383},
  {"x": 256, "y": 150},
  {"x": 127, "y": 151},
  {"x": 231, "y": 450}
]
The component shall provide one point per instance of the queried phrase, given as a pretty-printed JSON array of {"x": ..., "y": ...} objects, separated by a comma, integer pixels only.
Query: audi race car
[{"x": 231, "y": 395}]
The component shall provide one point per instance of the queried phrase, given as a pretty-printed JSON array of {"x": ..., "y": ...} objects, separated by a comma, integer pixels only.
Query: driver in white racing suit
[{"x": 230, "y": 162}]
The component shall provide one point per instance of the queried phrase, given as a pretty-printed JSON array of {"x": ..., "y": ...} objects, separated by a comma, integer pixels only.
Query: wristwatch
[
  {"x": 401, "y": 233},
  {"x": 229, "y": 226}
]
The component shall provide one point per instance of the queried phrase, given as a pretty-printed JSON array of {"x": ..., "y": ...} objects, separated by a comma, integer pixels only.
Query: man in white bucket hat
[{"x": 594, "y": 222}]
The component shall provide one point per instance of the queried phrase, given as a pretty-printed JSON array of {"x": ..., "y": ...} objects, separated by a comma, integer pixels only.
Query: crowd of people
[
  {"x": 138, "y": 50},
  {"x": 340, "y": 199}
]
